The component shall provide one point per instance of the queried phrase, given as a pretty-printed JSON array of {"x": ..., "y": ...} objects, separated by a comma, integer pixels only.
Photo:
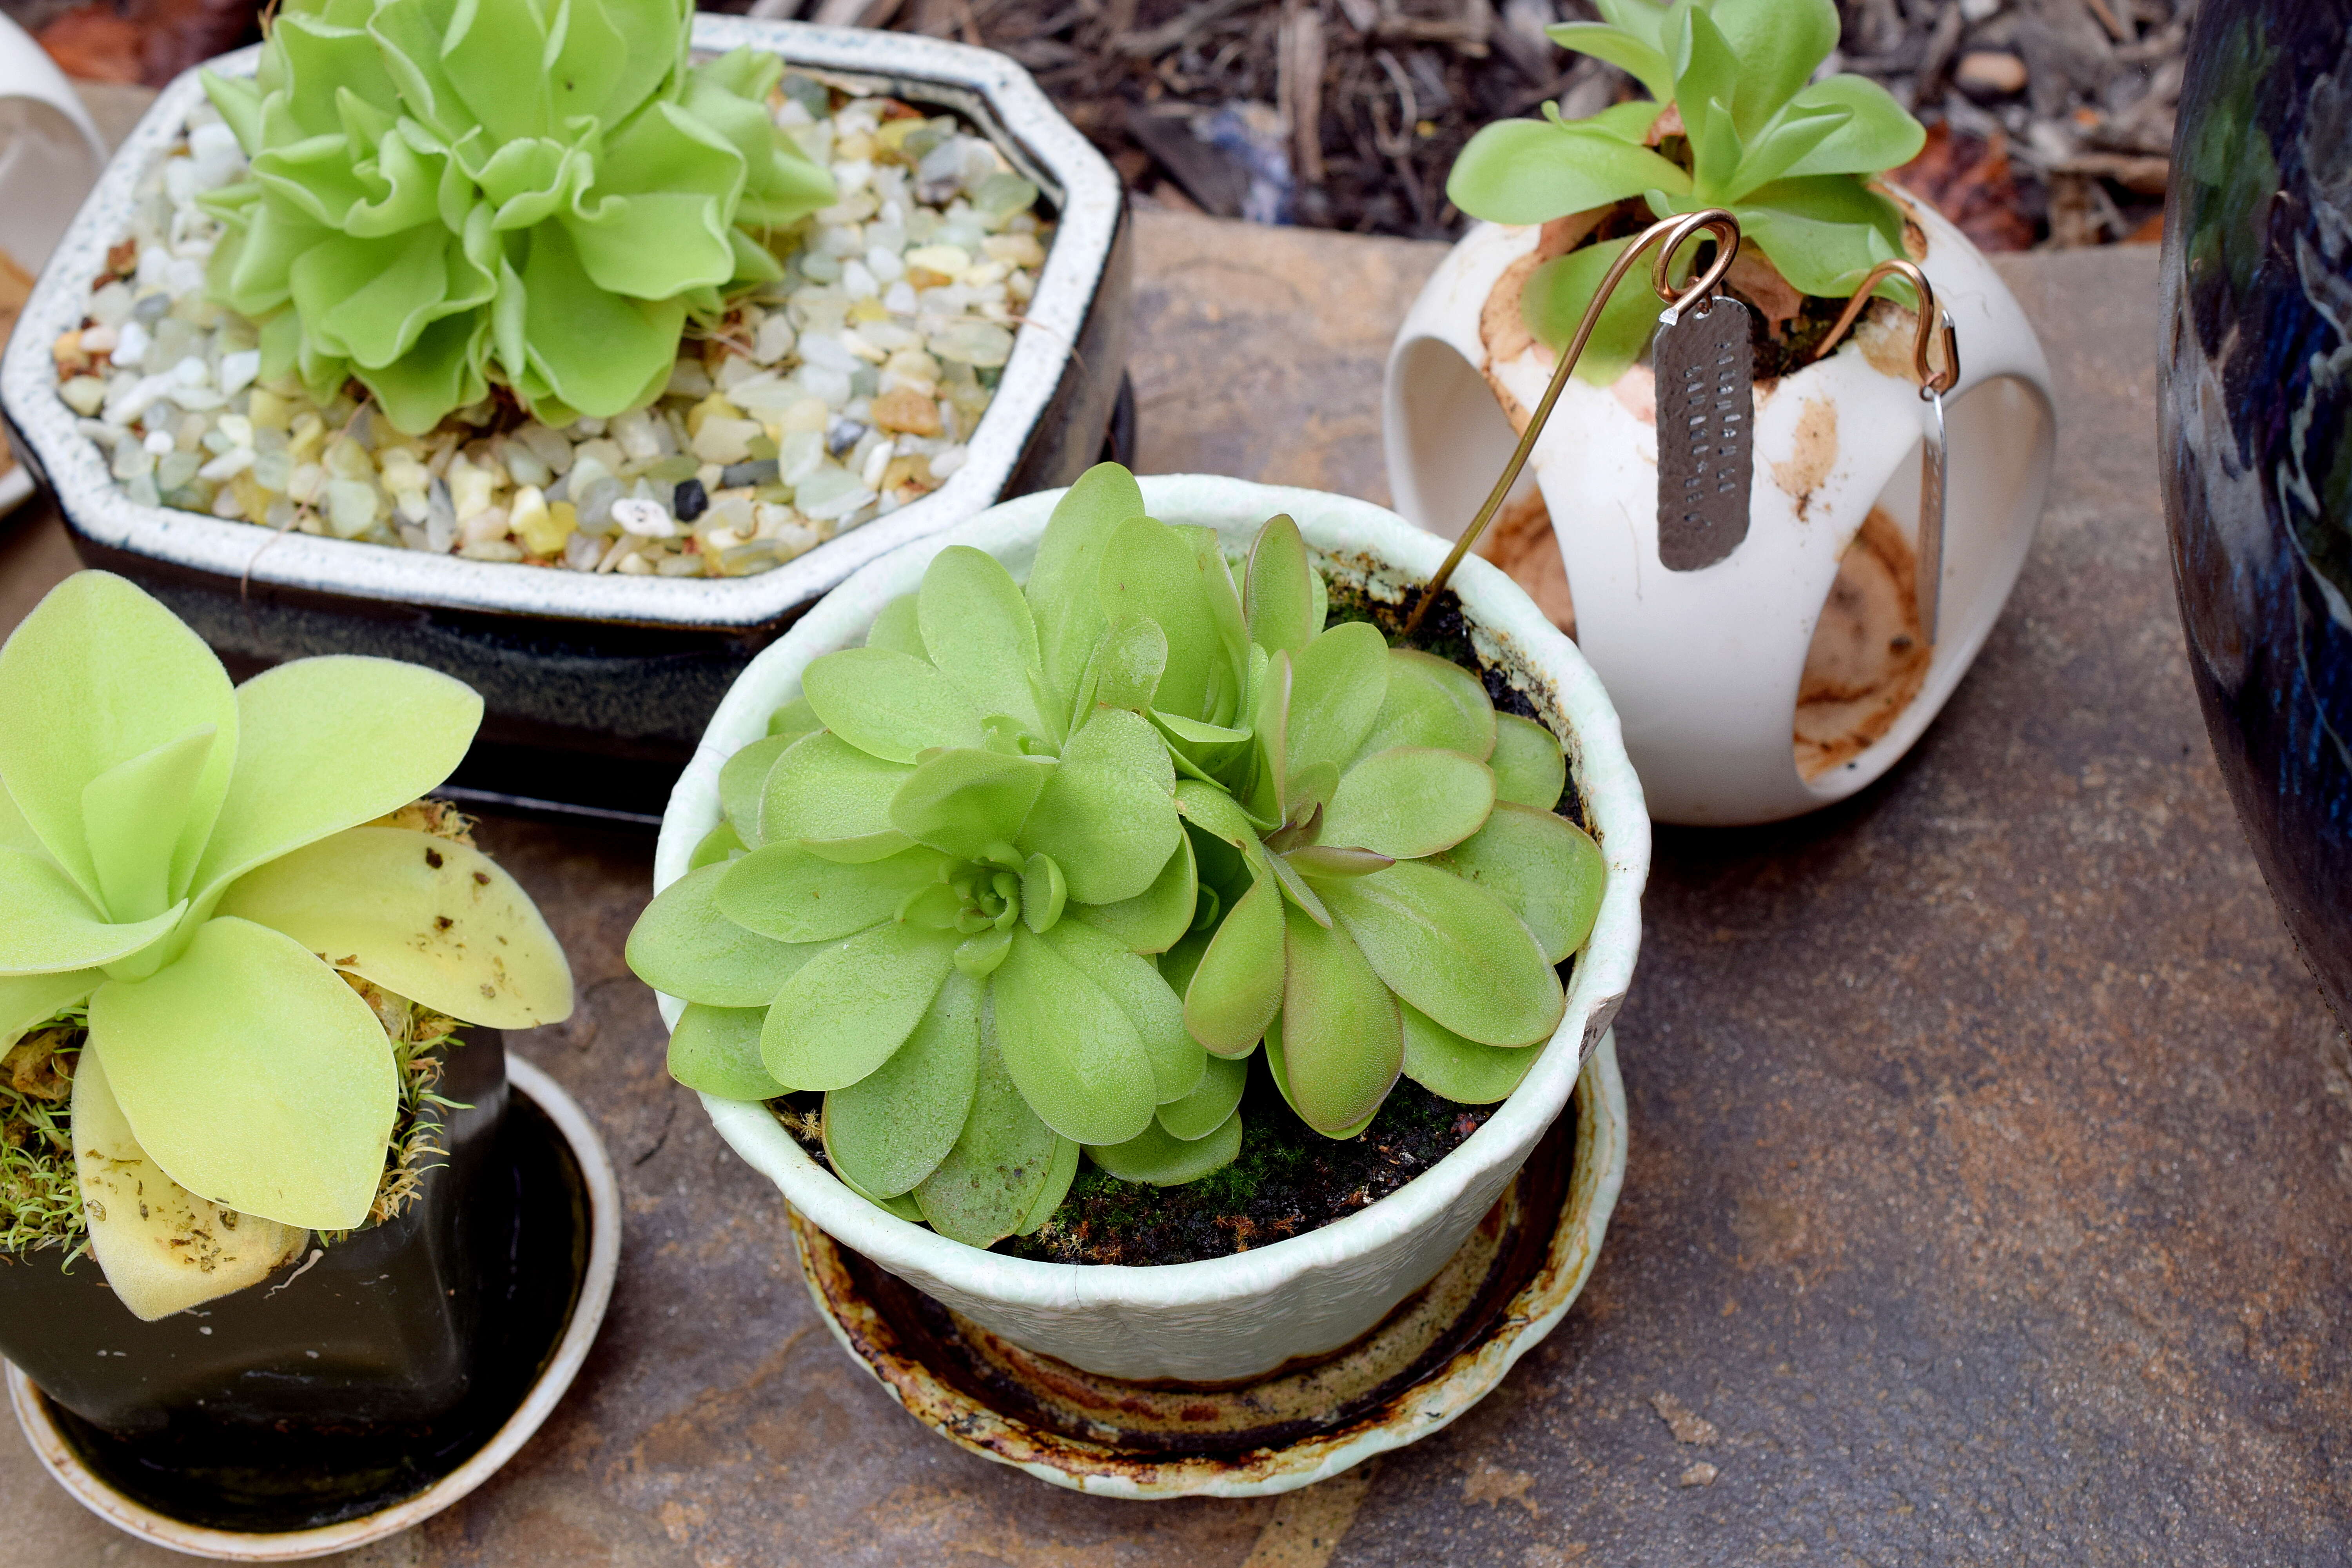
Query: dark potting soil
[{"x": 1288, "y": 1179}]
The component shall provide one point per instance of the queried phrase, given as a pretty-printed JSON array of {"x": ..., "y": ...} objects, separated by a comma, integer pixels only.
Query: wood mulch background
[{"x": 2050, "y": 121}]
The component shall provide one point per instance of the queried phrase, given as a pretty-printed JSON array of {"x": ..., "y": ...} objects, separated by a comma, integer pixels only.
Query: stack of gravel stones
[{"x": 832, "y": 397}]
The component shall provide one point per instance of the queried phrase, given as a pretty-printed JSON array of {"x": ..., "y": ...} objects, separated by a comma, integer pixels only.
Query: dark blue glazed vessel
[{"x": 2256, "y": 405}]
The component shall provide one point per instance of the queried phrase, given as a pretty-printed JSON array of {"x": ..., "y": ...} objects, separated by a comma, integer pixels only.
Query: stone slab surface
[{"x": 1992, "y": 1164}]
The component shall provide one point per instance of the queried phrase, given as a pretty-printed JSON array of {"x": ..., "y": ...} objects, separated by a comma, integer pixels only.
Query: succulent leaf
[
  {"x": 1432, "y": 702},
  {"x": 1002, "y": 1162},
  {"x": 890, "y": 705},
  {"x": 1135, "y": 984},
  {"x": 1342, "y": 1039},
  {"x": 1158, "y": 1158},
  {"x": 1108, "y": 815},
  {"x": 72, "y": 717},
  {"x": 1157, "y": 918},
  {"x": 45, "y": 925},
  {"x": 1280, "y": 1073},
  {"x": 253, "y": 1074},
  {"x": 1530, "y": 768},
  {"x": 716, "y": 1050},
  {"x": 978, "y": 631},
  {"x": 897, "y": 629},
  {"x": 311, "y": 758},
  {"x": 1410, "y": 801},
  {"x": 1337, "y": 686},
  {"x": 850, "y": 1006},
  {"x": 890, "y": 1129},
  {"x": 1149, "y": 572},
  {"x": 1451, "y": 949},
  {"x": 684, "y": 944},
  {"x": 744, "y": 780},
  {"x": 1059, "y": 1174},
  {"x": 162, "y": 1248},
  {"x": 437, "y": 921},
  {"x": 29, "y": 999},
  {"x": 825, "y": 793},
  {"x": 1547, "y": 871},
  {"x": 1210, "y": 1104},
  {"x": 968, "y": 803},
  {"x": 1237, "y": 986},
  {"x": 784, "y": 892},
  {"x": 1278, "y": 594},
  {"x": 1062, "y": 589},
  {"x": 1077, "y": 1057},
  {"x": 1460, "y": 1071}
]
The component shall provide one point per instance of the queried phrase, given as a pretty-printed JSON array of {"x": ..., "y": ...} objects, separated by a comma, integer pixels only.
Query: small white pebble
[
  {"x": 775, "y": 339},
  {"x": 131, "y": 344},
  {"x": 228, "y": 466},
  {"x": 159, "y": 442},
  {"x": 238, "y": 370},
  {"x": 85, "y": 394},
  {"x": 645, "y": 518}
]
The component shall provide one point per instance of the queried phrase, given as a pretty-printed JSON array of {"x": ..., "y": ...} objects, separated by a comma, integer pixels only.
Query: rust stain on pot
[
  {"x": 1814, "y": 454},
  {"x": 1869, "y": 655},
  {"x": 987, "y": 1394}
]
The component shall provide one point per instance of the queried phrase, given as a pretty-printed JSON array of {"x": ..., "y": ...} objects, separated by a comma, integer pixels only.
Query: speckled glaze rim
[
  {"x": 1338, "y": 526},
  {"x": 1428, "y": 1406},
  {"x": 1049, "y": 148},
  {"x": 65, "y": 1467}
]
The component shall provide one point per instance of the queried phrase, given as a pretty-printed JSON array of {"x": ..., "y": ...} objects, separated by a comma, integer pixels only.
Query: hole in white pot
[
  {"x": 1867, "y": 660},
  {"x": 1460, "y": 440}
]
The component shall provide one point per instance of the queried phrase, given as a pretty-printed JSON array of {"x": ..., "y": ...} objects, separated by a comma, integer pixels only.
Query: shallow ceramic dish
[
  {"x": 1442, "y": 1348},
  {"x": 1229, "y": 1317},
  {"x": 65, "y": 1448},
  {"x": 578, "y": 665}
]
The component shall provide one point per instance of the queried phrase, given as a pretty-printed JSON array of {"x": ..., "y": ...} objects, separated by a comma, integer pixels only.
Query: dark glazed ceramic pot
[
  {"x": 375, "y": 1331},
  {"x": 2256, "y": 405}
]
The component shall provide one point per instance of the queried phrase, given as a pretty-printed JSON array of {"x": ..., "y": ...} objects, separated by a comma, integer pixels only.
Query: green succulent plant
[
  {"x": 539, "y": 192},
  {"x": 947, "y": 865},
  {"x": 1789, "y": 160},
  {"x": 192, "y": 862},
  {"x": 1033, "y": 871}
]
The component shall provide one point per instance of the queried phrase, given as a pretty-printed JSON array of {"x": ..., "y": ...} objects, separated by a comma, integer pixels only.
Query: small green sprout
[
  {"x": 538, "y": 194},
  {"x": 189, "y": 860},
  {"x": 1790, "y": 160}
]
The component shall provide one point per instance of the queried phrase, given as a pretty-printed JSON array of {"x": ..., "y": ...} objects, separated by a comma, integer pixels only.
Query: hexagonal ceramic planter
[
  {"x": 1707, "y": 667},
  {"x": 1239, "y": 1316},
  {"x": 616, "y": 671}
]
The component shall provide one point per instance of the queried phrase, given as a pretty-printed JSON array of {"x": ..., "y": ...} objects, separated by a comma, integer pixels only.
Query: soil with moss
[{"x": 1288, "y": 1179}]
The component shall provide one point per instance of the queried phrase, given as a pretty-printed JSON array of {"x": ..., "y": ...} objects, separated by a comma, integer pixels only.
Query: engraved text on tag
[{"x": 1707, "y": 409}]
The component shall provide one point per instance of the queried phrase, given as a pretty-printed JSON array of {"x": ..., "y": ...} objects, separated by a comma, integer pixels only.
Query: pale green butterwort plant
[
  {"x": 448, "y": 193},
  {"x": 1034, "y": 870},
  {"x": 187, "y": 858},
  {"x": 1788, "y": 156}
]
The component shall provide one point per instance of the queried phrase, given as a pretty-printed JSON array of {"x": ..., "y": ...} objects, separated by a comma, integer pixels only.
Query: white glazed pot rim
[
  {"x": 1044, "y": 143},
  {"x": 1338, "y": 525}
]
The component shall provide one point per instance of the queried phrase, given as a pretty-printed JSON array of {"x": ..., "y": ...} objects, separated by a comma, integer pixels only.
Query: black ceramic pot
[
  {"x": 2256, "y": 405},
  {"x": 378, "y": 1329}
]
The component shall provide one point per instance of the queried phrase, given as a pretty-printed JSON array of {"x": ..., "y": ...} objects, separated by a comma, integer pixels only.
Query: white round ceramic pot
[
  {"x": 1792, "y": 672},
  {"x": 1240, "y": 1315}
]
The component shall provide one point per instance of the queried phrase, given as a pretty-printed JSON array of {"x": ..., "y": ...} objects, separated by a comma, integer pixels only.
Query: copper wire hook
[
  {"x": 1674, "y": 231},
  {"x": 1932, "y": 382}
]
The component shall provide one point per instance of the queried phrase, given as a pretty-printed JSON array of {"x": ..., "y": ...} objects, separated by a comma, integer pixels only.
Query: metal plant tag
[
  {"x": 1927, "y": 586},
  {"x": 1706, "y": 415}
]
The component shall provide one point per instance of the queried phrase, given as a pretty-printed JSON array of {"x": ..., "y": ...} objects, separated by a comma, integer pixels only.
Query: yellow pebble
[
  {"x": 542, "y": 526},
  {"x": 309, "y": 435},
  {"x": 716, "y": 404},
  {"x": 868, "y": 309},
  {"x": 269, "y": 410}
]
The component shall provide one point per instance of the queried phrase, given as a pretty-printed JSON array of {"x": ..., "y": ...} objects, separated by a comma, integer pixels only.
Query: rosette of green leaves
[
  {"x": 1393, "y": 884},
  {"x": 443, "y": 196},
  {"x": 1787, "y": 159},
  {"x": 190, "y": 860},
  {"x": 934, "y": 893}
]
